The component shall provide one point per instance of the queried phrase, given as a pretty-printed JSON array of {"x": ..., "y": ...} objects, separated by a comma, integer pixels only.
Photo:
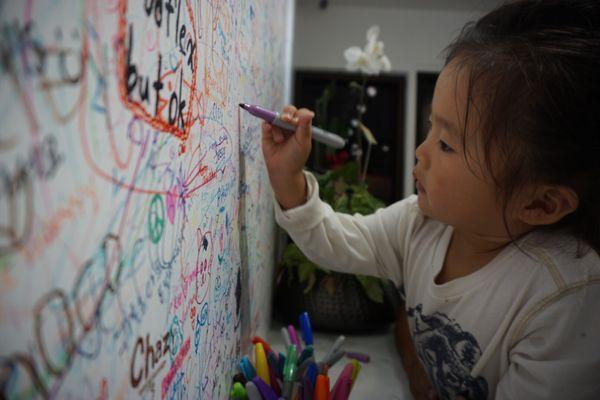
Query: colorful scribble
[{"x": 128, "y": 181}]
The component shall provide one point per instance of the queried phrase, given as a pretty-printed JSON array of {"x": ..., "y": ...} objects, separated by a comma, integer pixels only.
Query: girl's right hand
[{"x": 286, "y": 154}]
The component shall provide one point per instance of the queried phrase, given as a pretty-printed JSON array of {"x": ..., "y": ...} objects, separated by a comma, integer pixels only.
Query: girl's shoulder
[
  {"x": 563, "y": 258},
  {"x": 544, "y": 278}
]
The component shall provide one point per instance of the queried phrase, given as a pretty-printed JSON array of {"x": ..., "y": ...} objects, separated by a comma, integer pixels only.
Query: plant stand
[{"x": 337, "y": 303}]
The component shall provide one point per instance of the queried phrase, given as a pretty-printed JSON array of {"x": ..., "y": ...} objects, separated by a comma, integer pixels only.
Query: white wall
[
  {"x": 414, "y": 40},
  {"x": 124, "y": 233}
]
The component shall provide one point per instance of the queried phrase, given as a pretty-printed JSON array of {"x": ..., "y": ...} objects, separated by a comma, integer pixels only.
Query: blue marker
[
  {"x": 302, "y": 367},
  {"x": 247, "y": 368},
  {"x": 311, "y": 373},
  {"x": 306, "y": 329}
]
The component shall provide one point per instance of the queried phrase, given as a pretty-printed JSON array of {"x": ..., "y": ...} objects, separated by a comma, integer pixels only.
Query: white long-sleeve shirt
[{"x": 525, "y": 326}]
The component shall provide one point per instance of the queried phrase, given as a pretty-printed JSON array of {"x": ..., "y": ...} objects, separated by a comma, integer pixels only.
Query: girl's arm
[
  {"x": 368, "y": 245},
  {"x": 420, "y": 384},
  {"x": 375, "y": 244}
]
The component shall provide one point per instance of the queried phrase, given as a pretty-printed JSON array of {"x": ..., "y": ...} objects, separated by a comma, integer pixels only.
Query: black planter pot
[{"x": 336, "y": 303}]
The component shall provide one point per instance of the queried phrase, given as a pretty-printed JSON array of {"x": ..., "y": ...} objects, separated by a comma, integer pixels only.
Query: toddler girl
[{"x": 498, "y": 253}]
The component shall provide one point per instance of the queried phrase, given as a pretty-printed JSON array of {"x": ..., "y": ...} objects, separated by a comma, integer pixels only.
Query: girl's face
[{"x": 450, "y": 189}]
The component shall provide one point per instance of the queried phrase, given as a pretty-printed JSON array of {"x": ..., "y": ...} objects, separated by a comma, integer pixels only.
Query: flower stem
[
  {"x": 359, "y": 140},
  {"x": 367, "y": 158}
]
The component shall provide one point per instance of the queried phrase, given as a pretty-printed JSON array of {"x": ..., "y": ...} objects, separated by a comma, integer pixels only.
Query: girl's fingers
[
  {"x": 267, "y": 132},
  {"x": 266, "y": 127},
  {"x": 288, "y": 114},
  {"x": 303, "y": 131},
  {"x": 289, "y": 109},
  {"x": 271, "y": 133},
  {"x": 278, "y": 136},
  {"x": 291, "y": 118},
  {"x": 302, "y": 118}
]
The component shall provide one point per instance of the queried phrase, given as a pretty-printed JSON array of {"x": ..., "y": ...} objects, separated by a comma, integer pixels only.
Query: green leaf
[
  {"x": 348, "y": 173},
  {"x": 341, "y": 189},
  {"x": 306, "y": 274},
  {"x": 307, "y": 271},
  {"x": 341, "y": 204},
  {"x": 292, "y": 256},
  {"x": 372, "y": 287},
  {"x": 363, "y": 202}
]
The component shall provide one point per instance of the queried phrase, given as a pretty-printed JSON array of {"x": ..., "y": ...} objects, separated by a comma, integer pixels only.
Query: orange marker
[
  {"x": 322, "y": 388},
  {"x": 262, "y": 367}
]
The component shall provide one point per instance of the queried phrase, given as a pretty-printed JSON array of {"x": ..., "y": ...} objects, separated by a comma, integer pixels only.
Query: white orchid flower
[{"x": 371, "y": 60}]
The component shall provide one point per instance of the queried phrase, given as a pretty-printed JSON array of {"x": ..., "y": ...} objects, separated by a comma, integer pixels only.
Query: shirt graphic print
[{"x": 448, "y": 354}]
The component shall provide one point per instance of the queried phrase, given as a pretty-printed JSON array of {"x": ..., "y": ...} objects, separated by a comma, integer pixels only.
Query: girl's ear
[{"x": 548, "y": 205}]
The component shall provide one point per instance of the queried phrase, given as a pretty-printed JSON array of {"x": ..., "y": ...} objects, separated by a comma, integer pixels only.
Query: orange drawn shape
[{"x": 138, "y": 109}]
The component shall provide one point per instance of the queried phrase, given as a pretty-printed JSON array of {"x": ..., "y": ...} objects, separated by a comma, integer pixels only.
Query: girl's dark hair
[{"x": 534, "y": 70}]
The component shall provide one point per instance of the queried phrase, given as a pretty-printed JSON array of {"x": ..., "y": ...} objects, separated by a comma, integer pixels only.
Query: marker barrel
[{"x": 320, "y": 135}]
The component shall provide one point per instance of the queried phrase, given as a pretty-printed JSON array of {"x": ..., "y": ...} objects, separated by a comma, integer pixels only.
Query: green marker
[
  {"x": 238, "y": 392},
  {"x": 288, "y": 370}
]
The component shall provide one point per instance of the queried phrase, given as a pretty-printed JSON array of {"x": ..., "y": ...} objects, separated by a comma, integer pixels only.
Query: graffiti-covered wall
[{"x": 136, "y": 229}]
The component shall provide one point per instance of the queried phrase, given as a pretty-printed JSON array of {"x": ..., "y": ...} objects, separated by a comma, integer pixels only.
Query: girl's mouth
[{"x": 419, "y": 187}]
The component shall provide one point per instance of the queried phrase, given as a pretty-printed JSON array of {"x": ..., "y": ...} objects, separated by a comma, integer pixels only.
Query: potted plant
[{"x": 337, "y": 301}]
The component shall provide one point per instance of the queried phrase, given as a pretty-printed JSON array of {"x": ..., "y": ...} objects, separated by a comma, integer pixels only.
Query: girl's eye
[{"x": 444, "y": 147}]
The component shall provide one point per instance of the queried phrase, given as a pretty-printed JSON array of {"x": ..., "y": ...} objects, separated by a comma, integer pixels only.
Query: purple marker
[
  {"x": 294, "y": 338},
  {"x": 358, "y": 356},
  {"x": 265, "y": 390},
  {"x": 272, "y": 117}
]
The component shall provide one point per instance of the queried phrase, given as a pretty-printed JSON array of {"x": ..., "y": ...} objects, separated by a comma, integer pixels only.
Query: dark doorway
[
  {"x": 425, "y": 87},
  {"x": 384, "y": 116}
]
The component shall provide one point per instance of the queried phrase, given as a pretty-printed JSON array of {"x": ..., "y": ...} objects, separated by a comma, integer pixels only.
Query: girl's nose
[{"x": 421, "y": 154}]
